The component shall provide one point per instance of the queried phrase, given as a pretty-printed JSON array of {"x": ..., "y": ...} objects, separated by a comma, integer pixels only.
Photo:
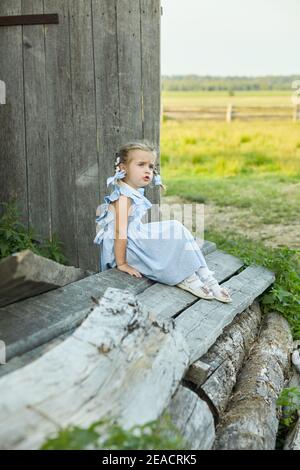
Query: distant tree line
[{"x": 230, "y": 84}]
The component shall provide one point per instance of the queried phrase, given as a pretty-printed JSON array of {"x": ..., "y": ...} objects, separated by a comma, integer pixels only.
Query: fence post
[
  {"x": 229, "y": 113},
  {"x": 296, "y": 112}
]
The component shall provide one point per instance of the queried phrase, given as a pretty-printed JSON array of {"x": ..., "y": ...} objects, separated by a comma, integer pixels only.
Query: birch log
[
  {"x": 251, "y": 421},
  {"x": 119, "y": 363},
  {"x": 224, "y": 359},
  {"x": 292, "y": 441},
  {"x": 193, "y": 418}
]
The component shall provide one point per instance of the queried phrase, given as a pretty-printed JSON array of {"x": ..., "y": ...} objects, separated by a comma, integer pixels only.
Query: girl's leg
[{"x": 206, "y": 276}]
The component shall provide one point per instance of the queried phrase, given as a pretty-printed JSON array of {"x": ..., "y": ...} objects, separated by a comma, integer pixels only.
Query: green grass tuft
[
  {"x": 284, "y": 295},
  {"x": 15, "y": 237}
]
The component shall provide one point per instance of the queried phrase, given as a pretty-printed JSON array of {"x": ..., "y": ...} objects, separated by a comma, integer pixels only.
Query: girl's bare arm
[{"x": 122, "y": 208}]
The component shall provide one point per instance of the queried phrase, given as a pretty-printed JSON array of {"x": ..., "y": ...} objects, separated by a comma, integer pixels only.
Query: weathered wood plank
[
  {"x": 106, "y": 91},
  {"x": 203, "y": 322},
  {"x": 118, "y": 363},
  {"x": 25, "y": 274},
  {"x": 60, "y": 125},
  {"x": 193, "y": 418},
  {"x": 224, "y": 359},
  {"x": 251, "y": 420},
  {"x": 13, "y": 171},
  {"x": 35, "y": 100},
  {"x": 84, "y": 117},
  {"x": 169, "y": 301},
  {"x": 206, "y": 246},
  {"x": 151, "y": 86},
  {"x": 81, "y": 95},
  {"x": 128, "y": 20},
  {"x": 50, "y": 315},
  {"x": 32, "y": 322}
]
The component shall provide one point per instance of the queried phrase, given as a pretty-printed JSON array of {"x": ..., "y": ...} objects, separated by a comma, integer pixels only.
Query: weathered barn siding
[{"x": 74, "y": 92}]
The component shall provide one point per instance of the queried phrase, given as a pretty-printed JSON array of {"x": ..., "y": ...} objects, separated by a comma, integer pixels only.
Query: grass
[
  {"x": 271, "y": 198},
  {"x": 249, "y": 165},
  {"x": 220, "y": 149},
  {"x": 284, "y": 295},
  {"x": 192, "y": 99},
  {"x": 15, "y": 237}
]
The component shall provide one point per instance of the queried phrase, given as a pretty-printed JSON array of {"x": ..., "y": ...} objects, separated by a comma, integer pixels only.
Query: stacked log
[
  {"x": 251, "y": 420},
  {"x": 193, "y": 418},
  {"x": 292, "y": 441},
  {"x": 119, "y": 363},
  {"x": 224, "y": 400},
  {"x": 214, "y": 374}
]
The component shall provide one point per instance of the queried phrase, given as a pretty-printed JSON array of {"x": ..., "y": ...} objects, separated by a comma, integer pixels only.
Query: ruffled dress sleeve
[{"x": 105, "y": 217}]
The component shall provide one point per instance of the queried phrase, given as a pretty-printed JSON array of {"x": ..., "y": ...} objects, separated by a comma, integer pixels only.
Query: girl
[{"x": 148, "y": 249}]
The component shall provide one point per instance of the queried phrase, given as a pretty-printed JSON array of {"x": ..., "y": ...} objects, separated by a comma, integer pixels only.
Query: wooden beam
[{"x": 17, "y": 20}]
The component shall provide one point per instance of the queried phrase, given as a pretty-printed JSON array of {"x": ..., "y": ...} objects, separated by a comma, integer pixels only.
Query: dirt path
[{"x": 244, "y": 222}]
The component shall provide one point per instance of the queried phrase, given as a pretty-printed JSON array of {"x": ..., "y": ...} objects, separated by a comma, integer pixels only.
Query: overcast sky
[{"x": 230, "y": 37}]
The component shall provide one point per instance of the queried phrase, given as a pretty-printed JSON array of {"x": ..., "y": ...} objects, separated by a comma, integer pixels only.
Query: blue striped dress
[{"x": 163, "y": 251}]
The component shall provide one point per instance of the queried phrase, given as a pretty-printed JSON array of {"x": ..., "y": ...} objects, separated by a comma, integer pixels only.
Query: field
[
  {"x": 172, "y": 99},
  {"x": 247, "y": 176},
  {"x": 246, "y": 173}
]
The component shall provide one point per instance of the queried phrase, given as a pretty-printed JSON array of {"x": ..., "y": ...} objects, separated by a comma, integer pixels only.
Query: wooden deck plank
[
  {"x": 169, "y": 301},
  {"x": 204, "y": 321},
  {"x": 29, "y": 323},
  {"x": 26, "y": 274}
]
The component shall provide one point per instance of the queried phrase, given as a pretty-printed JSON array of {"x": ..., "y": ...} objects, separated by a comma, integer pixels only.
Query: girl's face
[{"x": 139, "y": 169}]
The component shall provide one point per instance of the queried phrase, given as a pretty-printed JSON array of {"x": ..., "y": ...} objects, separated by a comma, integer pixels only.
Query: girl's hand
[{"x": 129, "y": 269}]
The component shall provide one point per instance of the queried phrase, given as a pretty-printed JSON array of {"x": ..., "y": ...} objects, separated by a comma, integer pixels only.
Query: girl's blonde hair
[{"x": 122, "y": 155}]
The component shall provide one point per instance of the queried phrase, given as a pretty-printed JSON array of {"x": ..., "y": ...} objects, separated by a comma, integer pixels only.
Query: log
[
  {"x": 25, "y": 274},
  {"x": 292, "y": 441},
  {"x": 119, "y": 363},
  {"x": 193, "y": 418},
  {"x": 224, "y": 359},
  {"x": 296, "y": 358},
  {"x": 251, "y": 421},
  {"x": 29, "y": 323},
  {"x": 32, "y": 322},
  {"x": 24, "y": 359}
]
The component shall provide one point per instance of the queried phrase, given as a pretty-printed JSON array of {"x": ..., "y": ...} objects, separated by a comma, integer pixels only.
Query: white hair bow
[{"x": 117, "y": 176}]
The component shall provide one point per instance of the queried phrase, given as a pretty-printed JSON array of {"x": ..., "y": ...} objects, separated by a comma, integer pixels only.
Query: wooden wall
[{"x": 75, "y": 92}]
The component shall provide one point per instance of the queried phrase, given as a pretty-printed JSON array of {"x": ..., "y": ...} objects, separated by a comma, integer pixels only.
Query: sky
[{"x": 230, "y": 37}]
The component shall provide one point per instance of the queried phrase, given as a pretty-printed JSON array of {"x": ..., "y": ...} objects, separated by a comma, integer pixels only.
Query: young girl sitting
[{"x": 148, "y": 249}]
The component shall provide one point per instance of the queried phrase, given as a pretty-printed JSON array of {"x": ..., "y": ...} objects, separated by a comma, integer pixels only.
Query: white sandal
[
  {"x": 220, "y": 293},
  {"x": 196, "y": 287}
]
